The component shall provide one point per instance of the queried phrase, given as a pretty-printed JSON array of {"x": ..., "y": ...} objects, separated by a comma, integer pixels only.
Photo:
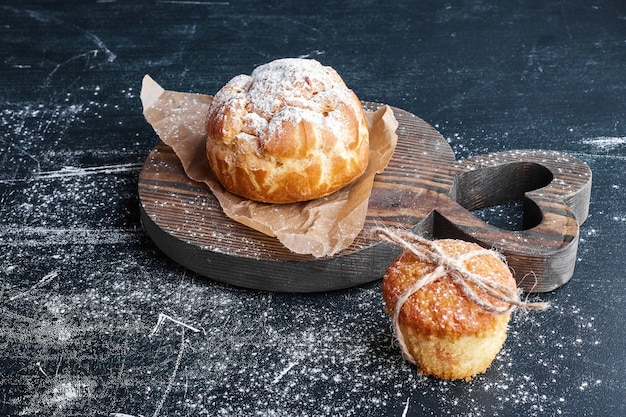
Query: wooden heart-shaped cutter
[{"x": 424, "y": 189}]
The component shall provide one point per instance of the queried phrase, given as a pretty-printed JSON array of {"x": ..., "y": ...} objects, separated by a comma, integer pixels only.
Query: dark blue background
[{"x": 82, "y": 287}]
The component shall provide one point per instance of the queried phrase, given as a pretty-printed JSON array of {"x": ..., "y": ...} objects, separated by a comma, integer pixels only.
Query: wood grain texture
[{"x": 423, "y": 189}]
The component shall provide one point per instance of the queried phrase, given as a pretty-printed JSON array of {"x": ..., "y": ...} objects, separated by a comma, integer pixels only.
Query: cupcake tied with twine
[{"x": 450, "y": 302}]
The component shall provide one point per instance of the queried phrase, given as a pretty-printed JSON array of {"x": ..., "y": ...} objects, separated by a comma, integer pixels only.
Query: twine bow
[{"x": 454, "y": 267}]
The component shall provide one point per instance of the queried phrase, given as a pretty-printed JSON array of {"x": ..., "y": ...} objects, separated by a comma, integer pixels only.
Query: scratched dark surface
[{"x": 82, "y": 288}]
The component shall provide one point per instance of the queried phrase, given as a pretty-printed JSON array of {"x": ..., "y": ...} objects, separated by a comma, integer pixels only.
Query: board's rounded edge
[{"x": 295, "y": 276}]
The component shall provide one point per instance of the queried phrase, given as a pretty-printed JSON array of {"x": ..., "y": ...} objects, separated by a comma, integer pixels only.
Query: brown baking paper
[{"x": 321, "y": 227}]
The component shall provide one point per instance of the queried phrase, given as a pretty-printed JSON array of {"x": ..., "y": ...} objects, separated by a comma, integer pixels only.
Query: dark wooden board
[{"x": 423, "y": 189}]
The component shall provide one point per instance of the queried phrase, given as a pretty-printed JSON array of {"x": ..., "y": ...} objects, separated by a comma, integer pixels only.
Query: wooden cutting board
[{"x": 423, "y": 189}]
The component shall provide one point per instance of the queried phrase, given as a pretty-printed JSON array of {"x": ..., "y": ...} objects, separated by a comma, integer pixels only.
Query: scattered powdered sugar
[
  {"x": 84, "y": 338},
  {"x": 95, "y": 334},
  {"x": 606, "y": 143},
  {"x": 84, "y": 290}
]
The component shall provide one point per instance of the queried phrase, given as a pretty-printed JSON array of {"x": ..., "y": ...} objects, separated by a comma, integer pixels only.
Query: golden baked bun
[
  {"x": 291, "y": 131},
  {"x": 448, "y": 335}
]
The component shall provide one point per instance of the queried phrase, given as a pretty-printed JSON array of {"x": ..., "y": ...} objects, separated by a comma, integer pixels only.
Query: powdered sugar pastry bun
[{"x": 291, "y": 131}]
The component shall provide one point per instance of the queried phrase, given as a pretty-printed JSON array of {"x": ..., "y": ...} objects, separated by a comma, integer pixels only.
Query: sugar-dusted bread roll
[
  {"x": 447, "y": 334},
  {"x": 291, "y": 131}
]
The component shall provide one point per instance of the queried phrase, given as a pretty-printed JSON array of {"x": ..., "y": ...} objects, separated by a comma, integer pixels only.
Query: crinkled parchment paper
[{"x": 321, "y": 227}]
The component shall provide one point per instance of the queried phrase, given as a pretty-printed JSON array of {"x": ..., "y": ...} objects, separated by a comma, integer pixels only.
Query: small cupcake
[{"x": 451, "y": 302}]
